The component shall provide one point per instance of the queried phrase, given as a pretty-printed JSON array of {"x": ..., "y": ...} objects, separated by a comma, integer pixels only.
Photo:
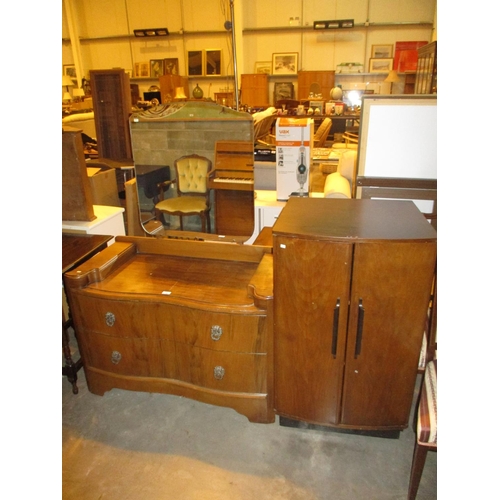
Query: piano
[{"x": 232, "y": 180}]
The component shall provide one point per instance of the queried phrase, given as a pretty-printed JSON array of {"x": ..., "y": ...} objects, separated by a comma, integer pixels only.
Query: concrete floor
[{"x": 141, "y": 446}]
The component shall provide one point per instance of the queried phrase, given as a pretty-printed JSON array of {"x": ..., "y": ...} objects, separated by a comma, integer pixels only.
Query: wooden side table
[{"x": 76, "y": 248}]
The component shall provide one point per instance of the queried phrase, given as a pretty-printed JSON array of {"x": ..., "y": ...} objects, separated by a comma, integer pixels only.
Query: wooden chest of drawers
[{"x": 188, "y": 318}]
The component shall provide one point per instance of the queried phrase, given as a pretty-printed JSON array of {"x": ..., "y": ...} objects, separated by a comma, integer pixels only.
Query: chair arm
[{"x": 164, "y": 185}]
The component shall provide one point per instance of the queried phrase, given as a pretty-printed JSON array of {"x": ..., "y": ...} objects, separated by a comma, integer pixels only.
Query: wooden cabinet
[
  {"x": 188, "y": 318},
  {"x": 325, "y": 79},
  {"x": 255, "y": 90},
  {"x": 169, "y": 84},
  {"x": 426, "y": 79},
  {"x": 112, "y": 100},
  {"x": 352, "y": 283},
  {"x": 77, "y": 202}
]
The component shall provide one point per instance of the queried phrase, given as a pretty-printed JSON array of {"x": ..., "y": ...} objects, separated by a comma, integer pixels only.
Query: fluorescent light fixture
[
  {"x": 333, "y": 24},
  {"x": 151, "y": 32}
]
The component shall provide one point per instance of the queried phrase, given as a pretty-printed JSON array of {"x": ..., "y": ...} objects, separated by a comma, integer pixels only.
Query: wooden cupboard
[
  {"x": 112, "y": 100},
  {"x": 325, "y": 79},
  {"x": 255, "y": 90},
  {"x": 169, "y": 84},
  {"x": 352, "y": 283}
]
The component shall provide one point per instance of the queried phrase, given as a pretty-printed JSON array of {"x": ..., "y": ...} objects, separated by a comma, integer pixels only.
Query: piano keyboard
[{"x": 237, "y": 180}]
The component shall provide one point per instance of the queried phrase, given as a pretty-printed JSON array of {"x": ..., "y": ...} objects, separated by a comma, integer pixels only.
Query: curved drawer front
[
  {"x": 222, "y": 371},
  {"x": 219, "y": 331},
  {"x": 129, "y": 356},
  {"x": 124, "y": 318},
  {"x": 214, "y": 330}
]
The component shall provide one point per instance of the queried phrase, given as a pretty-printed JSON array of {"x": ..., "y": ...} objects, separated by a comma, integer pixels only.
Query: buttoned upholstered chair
[
  {"x": 426, "y": 427},
  {"x": 193, "y": 195}
]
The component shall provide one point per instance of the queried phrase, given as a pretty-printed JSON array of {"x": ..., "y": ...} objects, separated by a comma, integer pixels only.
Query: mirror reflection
[{"x": 213, "y": 62}]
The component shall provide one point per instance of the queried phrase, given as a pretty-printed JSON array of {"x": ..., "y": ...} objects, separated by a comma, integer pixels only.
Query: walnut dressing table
[{"x": 188, "y": 318}]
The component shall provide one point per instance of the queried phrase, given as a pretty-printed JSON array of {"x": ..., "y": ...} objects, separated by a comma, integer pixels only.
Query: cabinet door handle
[
  {"x": 359, "y": 331},
  {"x": 335, "y": 332}
]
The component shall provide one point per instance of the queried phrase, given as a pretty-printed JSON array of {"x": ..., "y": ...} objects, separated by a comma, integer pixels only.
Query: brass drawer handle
[
  {"x": 219, "y": 372},
  {"x": 110, "y": 318},
  {"x": 115, "y": 357},
  {"x": 216, "y": 332}
]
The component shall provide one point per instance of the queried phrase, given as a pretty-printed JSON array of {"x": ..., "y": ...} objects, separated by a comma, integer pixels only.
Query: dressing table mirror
[{"x": 163, "y": 134}]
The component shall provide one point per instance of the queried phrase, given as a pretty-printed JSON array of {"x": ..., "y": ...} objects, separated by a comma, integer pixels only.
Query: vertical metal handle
[
  {"x": 335, "y": 332},
  {"x": 359, "y": 331}
]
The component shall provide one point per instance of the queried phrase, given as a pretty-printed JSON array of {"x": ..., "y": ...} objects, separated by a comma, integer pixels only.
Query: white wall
[{"x": 109, "y": 22}]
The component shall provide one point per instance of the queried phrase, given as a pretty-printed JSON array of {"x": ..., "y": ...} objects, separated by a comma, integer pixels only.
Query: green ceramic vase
[{"x": 197, "y": 92}]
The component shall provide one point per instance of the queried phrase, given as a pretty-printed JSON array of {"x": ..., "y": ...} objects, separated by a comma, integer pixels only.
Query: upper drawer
[{"x": 219, "y": 331}]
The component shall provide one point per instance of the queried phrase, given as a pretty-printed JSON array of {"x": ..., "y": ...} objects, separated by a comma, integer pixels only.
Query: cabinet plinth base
[
  {"x": 255, "y": 407},
  {"x": 299, "y": 424}
]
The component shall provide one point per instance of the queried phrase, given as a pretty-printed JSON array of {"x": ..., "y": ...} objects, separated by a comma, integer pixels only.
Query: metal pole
[{"x": 236, "y": 93}]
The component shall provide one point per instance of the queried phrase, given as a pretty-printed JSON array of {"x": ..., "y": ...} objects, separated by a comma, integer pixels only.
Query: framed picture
[
  {"x": 381, "y": 65},
  {"x": 263, "y": 67},
  {"x": 156, "y": 68},
  {"x": 70, "y": 70},
  {"x": 141, "y": 69},
  {"x": 195, "y": 63},
  {"x": 171, "y": 66},
  {"x": 213, "y": 62},
  {"x": 285, "y": 63},
  {"x": 382, "y": 51},
  {"x": 283, "y": 90}
]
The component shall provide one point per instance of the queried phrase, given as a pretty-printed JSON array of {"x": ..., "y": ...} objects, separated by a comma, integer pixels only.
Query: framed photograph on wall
[
  {"x": 381, "y": 65},
  {"x": 283, "y": 90},
  {"x": 141, "y": 69},
  {"x": 195, "y": 63},
  {"x": 285, "y": 63},
  {"x": 70, "y": 70},
  {"x": 263, "y": 67},
  {"x": 171, "y": 66},
  {"x": 156, "y": 68},
  {"x": 382, "y": 51},
  {"x": 213, "y": 62}
]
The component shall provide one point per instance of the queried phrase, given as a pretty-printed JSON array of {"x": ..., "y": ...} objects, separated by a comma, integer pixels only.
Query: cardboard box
[
  {"x": 103, "y": 186},
  {"x": 294, "y": 144}
]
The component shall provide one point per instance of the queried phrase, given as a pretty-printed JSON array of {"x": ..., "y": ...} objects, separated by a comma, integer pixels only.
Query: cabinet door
[
  {"x": 390, "y": 294},
  {"x": 311, "y": 295}
]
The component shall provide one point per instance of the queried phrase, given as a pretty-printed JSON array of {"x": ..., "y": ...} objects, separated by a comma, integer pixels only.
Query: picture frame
[
  {"x": 155, "y": 68},
  {"x": 141, "y": 69},
  {"x": 70, "y": 70},
  {"x": 382, "y": 51},
  {"x": 213, "y": 62},
  {"x": 283, "y": 90},
  {"x": 171, "y": 66},
  {"x": 379, "y": 65},
  {"x": 195, "y": 63},
  {"x": 285, "y": 63},
  {"x": 263, "y": 67}
]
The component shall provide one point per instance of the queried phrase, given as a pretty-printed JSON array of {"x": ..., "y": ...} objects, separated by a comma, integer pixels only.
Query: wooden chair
[
  {"x": 426, "y": 428},
  {"x": 321, "y": 135},
  {"x": 193, "y": 195}
]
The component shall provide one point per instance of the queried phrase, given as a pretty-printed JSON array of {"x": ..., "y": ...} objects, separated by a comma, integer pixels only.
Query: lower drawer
[
  {"x": 143, "y": 357},
  {"x": 140, "y": 357},
  {"x": 224, "y": 371}
]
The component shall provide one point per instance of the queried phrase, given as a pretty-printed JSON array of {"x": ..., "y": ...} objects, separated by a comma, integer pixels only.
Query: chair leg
[
  {"x": 180, "y": 223},
  {"x": 417, "y": 467}
]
